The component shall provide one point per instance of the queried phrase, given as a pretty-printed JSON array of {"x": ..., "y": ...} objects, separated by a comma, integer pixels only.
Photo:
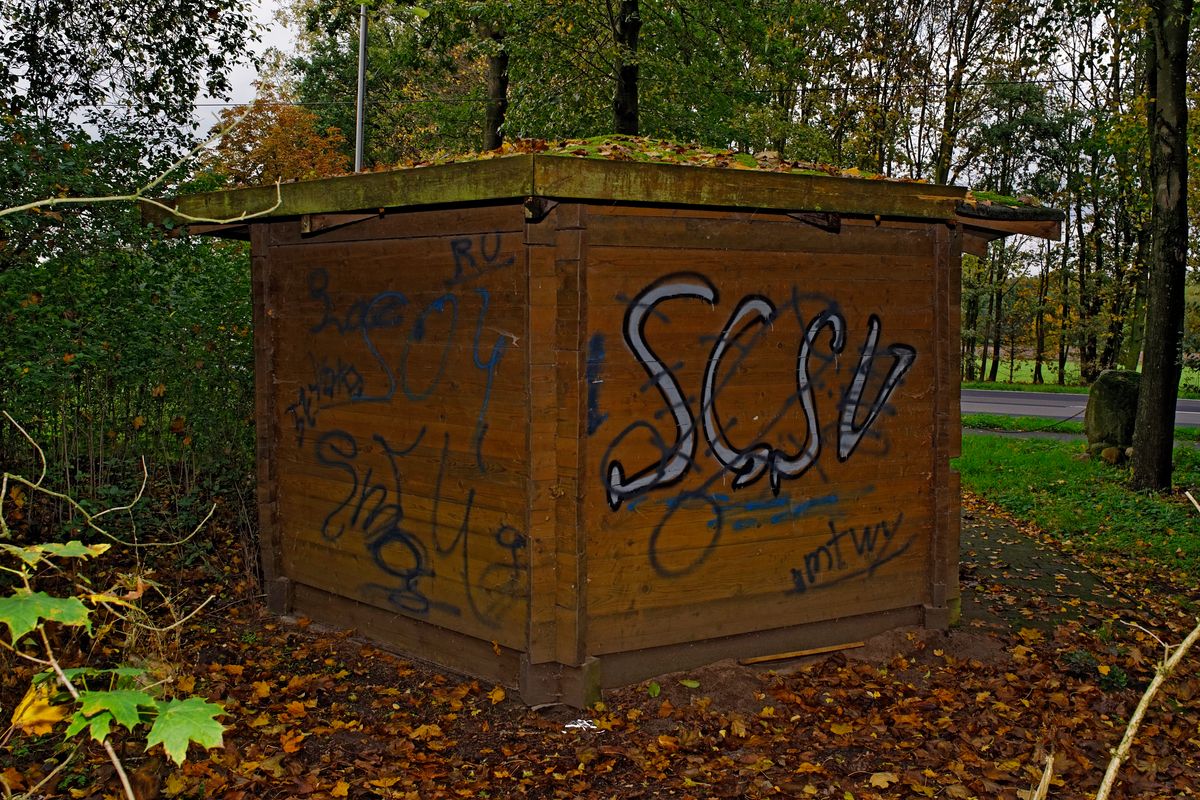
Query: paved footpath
[{"x": 1007, "y": 578}]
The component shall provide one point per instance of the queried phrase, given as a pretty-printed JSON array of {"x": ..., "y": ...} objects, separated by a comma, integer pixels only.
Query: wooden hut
[{"x": 567, "y": 423}]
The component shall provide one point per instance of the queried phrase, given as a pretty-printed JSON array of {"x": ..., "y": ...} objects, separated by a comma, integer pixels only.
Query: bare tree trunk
[
  {"x": 999, "y": 277},
  {"x": 626, "y": 27},
  {"x": 1153, "y": 433},
  {"x": 1039, "y": 320},
  {"x": 497, "y": 89}
]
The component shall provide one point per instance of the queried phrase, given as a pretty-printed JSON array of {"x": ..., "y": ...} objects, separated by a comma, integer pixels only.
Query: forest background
[{"x": 122, "y": 341}]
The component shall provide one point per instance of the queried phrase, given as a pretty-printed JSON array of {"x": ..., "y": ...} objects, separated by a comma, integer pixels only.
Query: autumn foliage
[{"x": 275, "y": 139}]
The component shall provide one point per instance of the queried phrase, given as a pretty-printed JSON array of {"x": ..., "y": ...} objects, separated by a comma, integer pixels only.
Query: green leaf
[
  {"x": 98, "y": 726},
  {"x": 124, "y": 704},
  {"x": 653, "y": 689},
  {"x": 23, "y": 611},
  {"x": 74, "y": 549},
  {"x": 35, "y": 554},
  {"x": 30, "y": 555},
  {"x": 689, "y": 683},
  {"x": 89, "y": 672},
  {"x": 183, "y": 721}
]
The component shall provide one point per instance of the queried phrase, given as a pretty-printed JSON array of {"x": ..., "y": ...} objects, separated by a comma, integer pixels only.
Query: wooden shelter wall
[
  {"x": 750, "y": 520},
  {"x": 399, "y": 400}
]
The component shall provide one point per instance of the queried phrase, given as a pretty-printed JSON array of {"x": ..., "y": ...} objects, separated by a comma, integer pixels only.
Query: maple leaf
[
  {"x": 181, "y": 722},
  {"x": 35, "y": 714},
  {"x": 1030, "y": 635},
  {"x": 883, "y": 780},
  {"x": 427, "y": 732},
  {"x": 124, "y": 705},
  {"x": 22, "y": 611},
  {"x": 98, "y": 725},
  {"x": 291, "y": 740}
]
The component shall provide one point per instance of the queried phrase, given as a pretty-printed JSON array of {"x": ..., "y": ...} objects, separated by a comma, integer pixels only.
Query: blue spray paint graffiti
[{"x": 386, "y": 349}]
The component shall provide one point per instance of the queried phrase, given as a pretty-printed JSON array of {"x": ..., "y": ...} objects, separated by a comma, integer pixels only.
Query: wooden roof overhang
[{"x": 540, "y": 180}]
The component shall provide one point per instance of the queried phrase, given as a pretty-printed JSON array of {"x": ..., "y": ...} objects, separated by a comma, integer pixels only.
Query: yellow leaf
[
  {"x": 427, "y": 732},
  {"x": 186, "y": 684},
  {"x": 840, "y": 728},
  {"x": 340, "y": 789},
  {"x": 108, "y": 598},
  {"x": 291, "y": 740},
  {"x": 1030, "y": 635},
  {"x": 139, "y": 422},
  {"x": 384, "y": 783},
  {"x": 496, "y": 695},
  {"x": 35, "y": 714},
  {"x": 175, "y": 784},
  {"x": 274, "y": 765},
  {"x": 261, "y": 689},
  {"x": 882, "y": 780},
  {"x": 1104, "y": 669}
]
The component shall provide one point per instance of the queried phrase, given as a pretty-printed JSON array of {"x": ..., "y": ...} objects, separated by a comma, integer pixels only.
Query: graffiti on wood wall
[
  {"x": 739, "y": 473},
  {"x": 396, "y": 355}
]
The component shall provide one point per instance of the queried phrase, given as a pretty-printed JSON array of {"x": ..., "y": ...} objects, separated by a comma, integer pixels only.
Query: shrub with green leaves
[{"x": 85, "y": 701}]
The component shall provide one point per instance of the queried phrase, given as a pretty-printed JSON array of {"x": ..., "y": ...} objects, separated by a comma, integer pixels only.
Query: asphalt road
[{"x": 1052, "y": 406}]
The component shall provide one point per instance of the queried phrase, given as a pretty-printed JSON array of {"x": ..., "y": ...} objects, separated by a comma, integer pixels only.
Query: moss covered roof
[{"x": 613, "y": 169}]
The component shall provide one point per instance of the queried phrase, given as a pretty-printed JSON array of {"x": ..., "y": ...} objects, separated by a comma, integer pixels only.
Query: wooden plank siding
[
  {"x": 398, "y": 423},
  {"x": 691, "y": 554},
  {"x": 570, "y": 444}
]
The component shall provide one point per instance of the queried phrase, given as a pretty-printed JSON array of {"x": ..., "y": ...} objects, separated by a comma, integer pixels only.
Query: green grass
[
  {"x": 1022, "y": 380},
  {"x": 1001, "y": 422},
  {"x": 1086, "y": 501},
  {"x": 1023, "y": 373}
]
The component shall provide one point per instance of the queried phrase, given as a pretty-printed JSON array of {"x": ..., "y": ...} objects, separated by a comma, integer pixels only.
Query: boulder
[{"x": 1111, "y": 409}]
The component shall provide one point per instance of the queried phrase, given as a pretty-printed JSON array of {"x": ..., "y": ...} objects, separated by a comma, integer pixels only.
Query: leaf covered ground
[{"x": 1047, "y": 660}]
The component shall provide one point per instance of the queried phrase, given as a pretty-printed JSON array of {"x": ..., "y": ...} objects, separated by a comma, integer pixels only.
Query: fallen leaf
[
  {"x": 496, "y": 695},
  {"x": 290, "y": 740},
  {"x": 427, "y": 732},
  {"x": 883, "y": 780},
  {"x": 840, "y": 728},
  {"x": 35, "y": 714},
  {"x": 1030, "y": 635},
  {"x": 14, "y": 780},
  {"x": 340, "y": 789}
]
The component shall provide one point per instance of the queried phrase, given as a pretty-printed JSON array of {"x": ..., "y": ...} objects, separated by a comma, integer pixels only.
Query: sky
[{"x": 242, "y": 79}]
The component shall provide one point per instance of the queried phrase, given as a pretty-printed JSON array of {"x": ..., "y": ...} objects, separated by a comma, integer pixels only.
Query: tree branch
[{"x": 1122, "y": 751}]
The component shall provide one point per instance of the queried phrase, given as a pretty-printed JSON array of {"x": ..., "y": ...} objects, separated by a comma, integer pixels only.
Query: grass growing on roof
[
  {"x": 649, "y": 150},
  {"x": 1086, "y": 501}
]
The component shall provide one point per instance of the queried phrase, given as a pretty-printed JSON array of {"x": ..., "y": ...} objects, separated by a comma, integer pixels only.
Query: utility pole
[{"x": 361, "y": 106}]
